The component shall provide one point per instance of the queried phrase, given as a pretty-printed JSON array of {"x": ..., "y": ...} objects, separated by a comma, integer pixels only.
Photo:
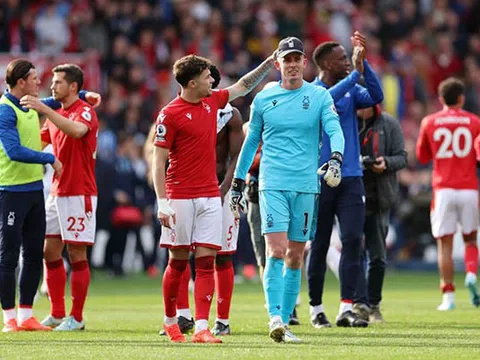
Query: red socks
[
  {"x": 80, "y": 283},
  {"x": 56, "y": 278},
  {"x": 447, "y": 288},
  {"x": 471, "y": 258},
  {"x": 182, "y": 297},
  {"x": 204, "y": 286},
  {"x": 171, "y": 284},
  {"x": 224, "y": 280}
]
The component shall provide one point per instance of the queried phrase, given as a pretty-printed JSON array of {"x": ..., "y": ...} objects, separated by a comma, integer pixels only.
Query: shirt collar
[
  {"x": 319, "y": 82},
  {"x": 14, "y": 100}
]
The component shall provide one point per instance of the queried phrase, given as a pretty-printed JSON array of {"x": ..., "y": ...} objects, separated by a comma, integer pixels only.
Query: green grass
[{"x": 124, "y": 317}]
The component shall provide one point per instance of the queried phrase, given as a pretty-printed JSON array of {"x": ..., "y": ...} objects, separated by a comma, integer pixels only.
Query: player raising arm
[
  {"x": 446, "y": 138},
  {"x": 188, "y": 195}
]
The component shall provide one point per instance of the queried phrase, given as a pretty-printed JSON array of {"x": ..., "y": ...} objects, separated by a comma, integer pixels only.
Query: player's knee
[
  {"x": 277, "y": 252},
  {"x": 77, "y": 253},
  {"x": 32, "y": 256},
  {"x": 222, "y": 260},
  {"x": 352, "y": 239},
  {"x": 470, "y": 239},
  {"x": 9, "y": 260},
  {"x": 294, "y": 258},
  {"x": 352, "y": 249},
  {"x": 377, "y": 262},
  {"x": 53, "y": 249}
]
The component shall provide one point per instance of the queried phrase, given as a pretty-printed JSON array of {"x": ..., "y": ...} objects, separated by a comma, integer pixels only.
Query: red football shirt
[
  {"x": 447, "y": 137},
  {"x": 76, "y": 155},
  {"x": 189, "y": 131}
]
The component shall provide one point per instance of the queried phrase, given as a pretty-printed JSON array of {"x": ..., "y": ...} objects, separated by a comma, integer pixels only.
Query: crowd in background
[{"x": 412, "y": 45}]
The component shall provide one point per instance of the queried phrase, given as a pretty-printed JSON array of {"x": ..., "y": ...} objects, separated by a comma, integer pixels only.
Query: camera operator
[{"x": 383, "y": 154}]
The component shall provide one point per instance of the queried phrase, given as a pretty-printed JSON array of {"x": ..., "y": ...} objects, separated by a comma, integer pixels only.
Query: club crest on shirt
[
  {"x": 306, "y": 103},
  {"x": 269, "y": 220},
  {"x": 160, "y": 132}
]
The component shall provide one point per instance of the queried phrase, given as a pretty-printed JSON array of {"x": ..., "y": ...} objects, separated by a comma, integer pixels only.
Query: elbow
[
  {"x": 14, "y": 154},
  {"x": 77, "y": 132},
  {"x": 76, "y": 135},
  {"x": 379, "y": 97}
]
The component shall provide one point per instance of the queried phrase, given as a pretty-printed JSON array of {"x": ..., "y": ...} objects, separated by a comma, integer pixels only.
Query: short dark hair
[
  {"x": 215, "y": 74},
  {"x": 189, "y": 67},
  {"x": 73, "y": 73},
  {"x": 322, "y": 50},
  {"x": 17, "y": 69},
  {"x": 450, "y": 90}
]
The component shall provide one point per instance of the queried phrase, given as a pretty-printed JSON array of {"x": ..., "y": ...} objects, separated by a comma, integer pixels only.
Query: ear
[
  {"x": 305, "y": 61},
  {"x": 326, "y": 65},
  {"x": 277, "y": 65},
  {"x": 192, "y": 84},
  {"x": 441, "y": 100}
]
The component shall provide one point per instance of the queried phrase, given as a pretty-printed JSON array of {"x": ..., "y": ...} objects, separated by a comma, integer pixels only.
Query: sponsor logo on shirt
[
  {"x": 189, "y": 115},
  {"x": 274, "y": 102}
]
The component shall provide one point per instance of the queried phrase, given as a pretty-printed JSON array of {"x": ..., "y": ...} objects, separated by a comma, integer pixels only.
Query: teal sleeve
[
  {"x": 331, "y": 125},
  {"x": 251, "y": 143}
]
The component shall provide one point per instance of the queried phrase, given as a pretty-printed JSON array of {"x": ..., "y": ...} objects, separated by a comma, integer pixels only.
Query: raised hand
[{"x": 358, "y": 57}]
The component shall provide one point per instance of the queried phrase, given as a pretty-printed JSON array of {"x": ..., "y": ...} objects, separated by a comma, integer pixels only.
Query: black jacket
[{"x": 382, "y": 136}]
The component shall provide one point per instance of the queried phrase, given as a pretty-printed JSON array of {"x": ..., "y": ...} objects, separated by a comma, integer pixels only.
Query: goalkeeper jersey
[{"x": 289, "y": 124}]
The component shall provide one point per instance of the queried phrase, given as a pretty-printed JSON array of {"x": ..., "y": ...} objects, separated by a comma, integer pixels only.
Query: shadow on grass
[{"x": 163, "y": 343}]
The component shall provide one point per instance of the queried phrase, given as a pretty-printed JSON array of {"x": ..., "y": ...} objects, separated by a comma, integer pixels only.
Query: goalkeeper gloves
[
  {"x": 332, "y": 170},
  {"x": 237, "y": 200}
]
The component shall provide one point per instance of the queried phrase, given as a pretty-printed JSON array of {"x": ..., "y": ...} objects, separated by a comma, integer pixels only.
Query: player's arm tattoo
[
  {"x": 247, "y": 82},
  {"x": 254, "y": 77}
]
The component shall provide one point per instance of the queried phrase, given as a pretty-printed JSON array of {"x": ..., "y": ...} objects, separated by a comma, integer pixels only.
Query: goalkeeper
[{"x": 287, "y": 118}]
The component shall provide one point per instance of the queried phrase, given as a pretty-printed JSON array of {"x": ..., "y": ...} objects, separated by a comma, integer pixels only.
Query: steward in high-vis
[{"x": 22, "y": 207}]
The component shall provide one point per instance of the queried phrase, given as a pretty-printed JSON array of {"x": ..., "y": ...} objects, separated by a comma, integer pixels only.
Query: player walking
[
  {"x": 446, "y": 138},
  {"x": 287, "y": 118}
]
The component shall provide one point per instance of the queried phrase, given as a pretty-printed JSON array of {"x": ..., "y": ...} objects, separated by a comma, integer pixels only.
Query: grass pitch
[{"x": 123, "y": 318}]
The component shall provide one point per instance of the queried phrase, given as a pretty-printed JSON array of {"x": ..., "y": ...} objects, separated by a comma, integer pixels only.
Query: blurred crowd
[{"x": 412, "y": 45}]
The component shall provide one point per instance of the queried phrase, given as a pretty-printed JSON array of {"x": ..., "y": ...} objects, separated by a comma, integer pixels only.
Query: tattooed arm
[{"x": 249, "y": 81}]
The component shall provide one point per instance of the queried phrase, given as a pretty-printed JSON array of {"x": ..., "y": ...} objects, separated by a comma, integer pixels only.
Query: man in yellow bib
[{"x": 22, "y": 207}]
